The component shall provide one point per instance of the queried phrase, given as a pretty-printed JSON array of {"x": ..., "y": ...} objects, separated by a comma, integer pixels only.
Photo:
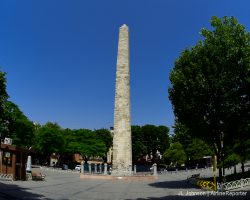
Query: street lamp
[{"x": 222, "y": 154}]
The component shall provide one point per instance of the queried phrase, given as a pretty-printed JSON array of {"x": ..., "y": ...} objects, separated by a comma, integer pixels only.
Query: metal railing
[
  {"x": 233, "y": 184},
  {"x": 59, "y": 170},
  {"x": 6, "y": 177}
]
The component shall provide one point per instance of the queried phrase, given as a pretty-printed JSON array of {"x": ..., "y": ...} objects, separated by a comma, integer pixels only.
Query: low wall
[{"x": 110, "y": 177}]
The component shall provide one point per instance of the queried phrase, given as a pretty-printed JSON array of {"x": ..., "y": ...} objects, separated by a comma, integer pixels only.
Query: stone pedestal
[
  {"x": 105, "y": 169},
  {"x": 155, "y": 169},
  {"x": 95, "y": 168},
  {"x": 90, "y": 168},
  {"x": 82, "y": 167}
]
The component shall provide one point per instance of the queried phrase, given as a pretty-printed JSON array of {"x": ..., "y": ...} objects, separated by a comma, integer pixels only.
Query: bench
[
  {"x": 38, "y": 176},
  {"x": 193, "y": 177}
]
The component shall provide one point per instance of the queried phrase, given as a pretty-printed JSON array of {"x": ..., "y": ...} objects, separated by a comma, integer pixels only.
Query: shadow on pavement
[
  {"x": 173, "y": 184},
  {"x": 15, "y": 192}
]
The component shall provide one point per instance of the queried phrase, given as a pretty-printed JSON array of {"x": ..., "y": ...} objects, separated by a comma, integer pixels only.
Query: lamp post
[
  {"x": 222, "y": 154},
  {"x": 214, "y": 171}
]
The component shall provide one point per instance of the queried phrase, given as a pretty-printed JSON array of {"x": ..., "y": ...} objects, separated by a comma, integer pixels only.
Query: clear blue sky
[{"x": 60, "y": 55}]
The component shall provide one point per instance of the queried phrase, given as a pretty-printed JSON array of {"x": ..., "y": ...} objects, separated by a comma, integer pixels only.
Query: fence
[
  {"x": 107, "y": 169},
  {"x": 94, "y": 168},
  {"x": 6, "y": 177},
  {"x": 59, "y": 170},
  {"x": 233, "y": 184}
]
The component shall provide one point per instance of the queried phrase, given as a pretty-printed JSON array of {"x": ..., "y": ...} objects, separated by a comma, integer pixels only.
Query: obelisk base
[{"x": 122, "y": 173}]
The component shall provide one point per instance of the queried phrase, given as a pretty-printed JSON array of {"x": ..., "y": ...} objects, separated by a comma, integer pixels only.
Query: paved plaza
[{"x": 62, "y": 185}]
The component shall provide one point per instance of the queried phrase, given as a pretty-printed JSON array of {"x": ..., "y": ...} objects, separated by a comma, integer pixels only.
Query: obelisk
[{"x": 122, "y": 148}]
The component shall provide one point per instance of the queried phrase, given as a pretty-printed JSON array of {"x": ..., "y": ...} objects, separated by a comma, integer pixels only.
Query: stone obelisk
[{"x": 122, "y": 148}]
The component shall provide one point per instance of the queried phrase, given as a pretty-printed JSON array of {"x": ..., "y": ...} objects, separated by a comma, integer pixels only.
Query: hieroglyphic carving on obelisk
[{"x": 122, "y": 147}]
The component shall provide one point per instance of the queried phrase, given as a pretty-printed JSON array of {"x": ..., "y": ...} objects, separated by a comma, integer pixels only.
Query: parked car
[{"x": 78, "y": 167}]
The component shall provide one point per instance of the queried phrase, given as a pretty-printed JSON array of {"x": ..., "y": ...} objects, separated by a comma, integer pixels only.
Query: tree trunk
[
  {"x": 220, "y": 167},
  {"x": 223, "y": 167},
  {"x": 235, "y": 171},
  {"x": 85, "y": 159},
  {"x": 242, "y": 167},
  {"x": 220, "y": 174}
]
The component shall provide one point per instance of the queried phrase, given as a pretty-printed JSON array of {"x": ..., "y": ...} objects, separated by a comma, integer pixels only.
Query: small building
[
  {"x": 13, "y": 162},
  {"x": 54, "y": 158},
  {"x": 77, "y": 158}
]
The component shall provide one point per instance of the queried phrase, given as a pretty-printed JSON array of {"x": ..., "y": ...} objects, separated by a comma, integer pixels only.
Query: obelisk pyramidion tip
[{"x": 124, "y": 25}]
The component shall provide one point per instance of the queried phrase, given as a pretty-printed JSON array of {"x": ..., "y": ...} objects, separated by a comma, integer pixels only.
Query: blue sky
[{"x": 60, "y": 55}]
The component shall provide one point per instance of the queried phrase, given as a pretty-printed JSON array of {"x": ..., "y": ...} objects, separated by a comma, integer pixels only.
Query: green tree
[
  {"x": 87, "y": 143},
  {"x": 66, "y": 153},
  {"x": 181, "y": 134},
  {"x": 139, "y": 148},
  {"x": 13, "y": 123},
  {"x": 155, "y": 139},
  {"x": 175, "y": 155},
  {"x": 242, "y": 148},
  {"x": 19, "y": 127},
  {"x": 68, "y": 135},
  {"x": 210, "y": 84},
  {"x": 164, "y": 138},
  {"x": 198, "y": 149},
  {"x": 49, "y": 139},
  {"x": 232, "y": 160},
  {"x": 105, "y": 136},
  {"x": 3, "y": 99}
]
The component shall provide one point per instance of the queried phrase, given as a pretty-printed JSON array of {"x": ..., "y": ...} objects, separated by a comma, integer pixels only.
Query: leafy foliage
[
  {"x": 13, "y": 123},
  {"x": 231, "y": 160},
  {"x": 211, "y": 85},
  {"x": 242, "y": 148},
  {"x": 198, "y": 149},
  {"x": 139, "y": 148},
  {"x": 87, "y": 143},
  {"x": 105, "y": 136},
  {"x": 181, "y": 134},
  {"x": 20, "y": 128},
  {"x": 155, "y": 138},
  {"x": 175, "y": 155},
  {"x": 3, "y": 99},
  {"x": 148, "y": 139},
  {"x": 49, "y": 139}
]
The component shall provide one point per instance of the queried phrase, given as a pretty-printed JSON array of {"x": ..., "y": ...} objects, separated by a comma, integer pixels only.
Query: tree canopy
[
  {"x": 175, "y": 155},
  {"x": 20, "y": 128},
  {"x": 13, "y": 123},
  {"x": 181, "y": 134},
  {"x": 87, "y": 143},
  {"x": 3, "y": 99},
  {"x": 49, "y": 139},
  {"x": 105, "y": 136},
  {"x": 210, "y": 89},
  {"x": 148, "y": 140},
  {"x": 197, "y": 149},
  {"x": 139, "y": 148}
]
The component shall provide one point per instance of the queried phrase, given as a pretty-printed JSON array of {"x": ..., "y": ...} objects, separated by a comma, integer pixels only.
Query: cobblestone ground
[{"x": 61, "y": 185}]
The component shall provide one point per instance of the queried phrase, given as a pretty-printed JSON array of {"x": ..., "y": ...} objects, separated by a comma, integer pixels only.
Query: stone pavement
[{"x": 61, "y": 185}]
